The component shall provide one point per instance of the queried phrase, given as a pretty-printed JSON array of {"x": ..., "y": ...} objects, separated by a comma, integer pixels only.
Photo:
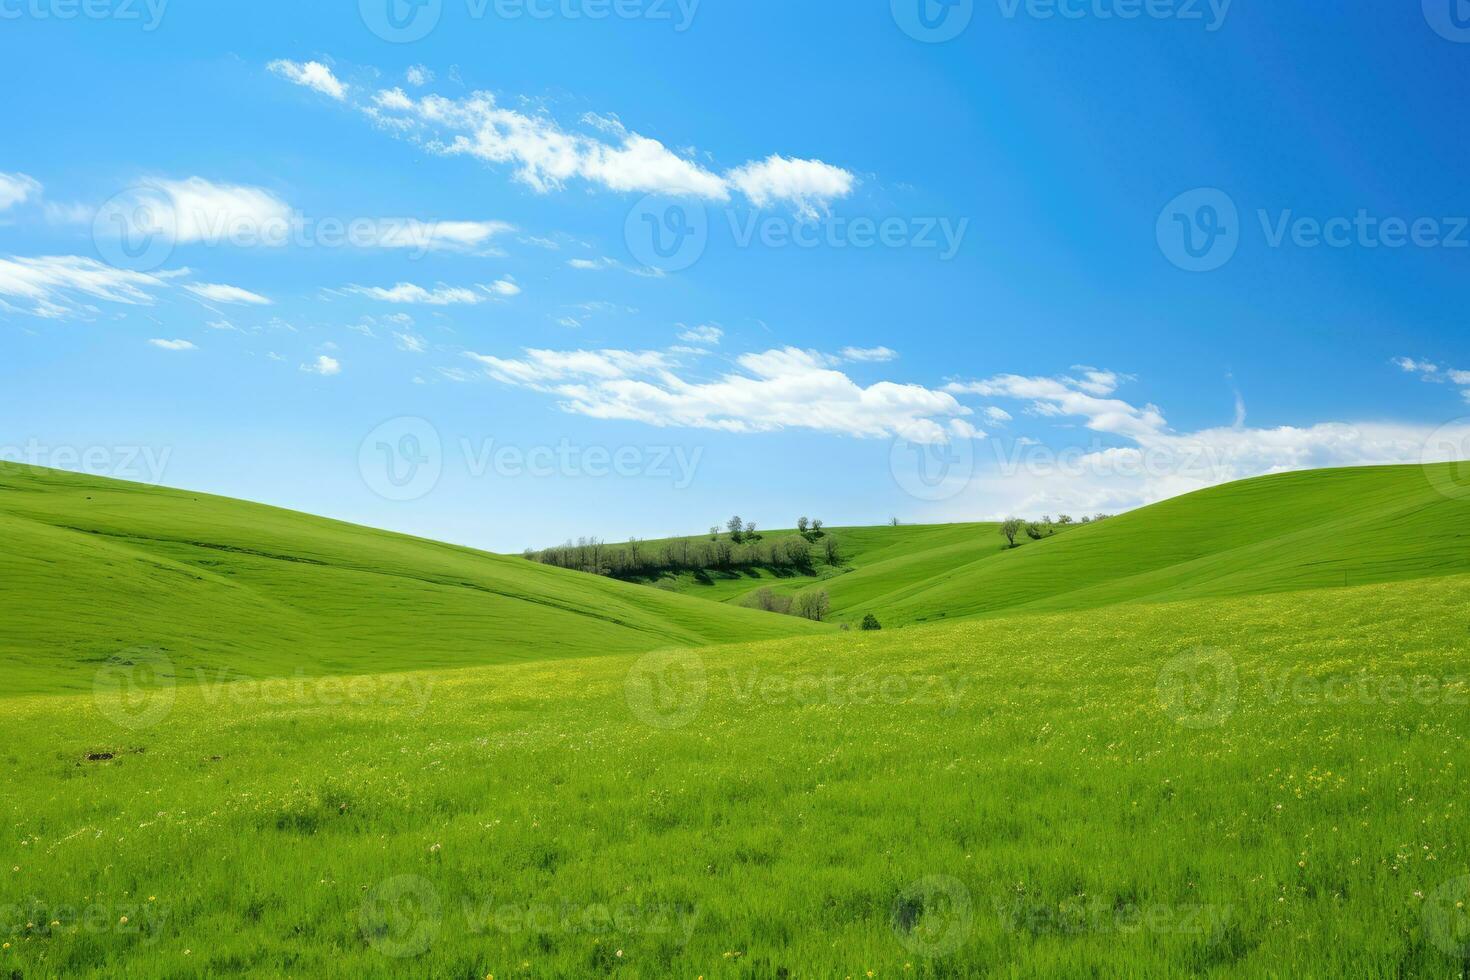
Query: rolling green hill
[
  {"x": 898, "y": 555},
  {"x": 94, "y": 571},
  {"x": 1301, "y": 530},
  {"x": 1291, "y": 531},
  {"x": 1264, "y": 683}
]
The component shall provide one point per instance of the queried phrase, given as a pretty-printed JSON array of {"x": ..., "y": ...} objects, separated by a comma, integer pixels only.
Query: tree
[
  {"x": 768, "y": 601},
  {"x": 714, "y": 533},
  {"x": 1064, "y": 519},
  {"x": 1011, "y": 528},
  {"x": 870, "y": 623},
  {"x": 816, "y": 527},
  {"x": 813, "y": 605},
  {"x": 802, "y": 524},
  {"x": 736, "y": 527},
  {"x": 750, "y": 529},
  {"x": 832, "y": 551},
  {"x": 1033, "y": 531}
]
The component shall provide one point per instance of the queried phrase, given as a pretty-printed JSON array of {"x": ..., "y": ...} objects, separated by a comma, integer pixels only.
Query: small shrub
[{"x": 870, "y": 623}]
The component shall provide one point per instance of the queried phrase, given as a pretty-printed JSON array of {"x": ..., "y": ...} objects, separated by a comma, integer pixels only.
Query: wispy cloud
[
  {"x": 776, "y": 389},
  {"x": 176, "y": 345},
  {"x": 312, "y": 75},
  {"x": 410, "y": 293},
  {"x": 58, "y": 286},
  {"x": 219, "y": 293},
  {"x": 1136, "y": 457},
  {"x": 1434, "y": 374},
  {"x": 547, "y": 155},
  {"x": 877, "y": 354},
  {"x": 17, "y": 189},
  {"x": 704, "y": 334}
]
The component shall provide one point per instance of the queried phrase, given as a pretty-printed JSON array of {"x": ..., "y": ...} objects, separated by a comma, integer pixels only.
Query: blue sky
[{"x": 1068, "y": 259}]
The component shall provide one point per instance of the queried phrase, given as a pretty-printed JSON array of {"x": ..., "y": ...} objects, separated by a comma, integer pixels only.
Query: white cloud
[
  {"x": 997, "y": 414},
  {"x": 419, "y": 76},
  {"x": 407, "y": 292},
  {"x": 606, "y": 262},
  {"x": 430, "y": 236},
  {"x": 313, "y": 75},
  {"x": 218, "y": 293},
  {"x": 1434, "y": 374},
  {"x": 809, "y": 185},
  {"x": 410, "y": 342},
  {"x": 505, "y": 287},
  {"x": 17, "y": 189},
  {"x": 1137, "y": 459},
  {"x": 878, "y": 354},
  {"x": 705, "y": 334},
  {"x": 776, "y": 389},
  {"x": 546, "y": 156},
  {"x": 172, "y": 344},
  {"x": 57, "y": 286},
  {"x": 1416, "y": 367},
  {"x": 198, "y": 210},
  {"x": 324, "y": 366}
]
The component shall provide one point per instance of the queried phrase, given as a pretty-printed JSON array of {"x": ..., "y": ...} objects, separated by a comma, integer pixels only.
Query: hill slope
[
  {"x": 94, "y": 570},
  {"x": 891, "y": 557},
  {"x": 1291, "y": 531}
]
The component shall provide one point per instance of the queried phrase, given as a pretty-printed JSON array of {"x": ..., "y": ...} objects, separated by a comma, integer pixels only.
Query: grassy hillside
[
  {"x": 870, "y": 559},
  {"x": 1292, "y": 531},
  {"x": 95, "y": 571},
  {"x": 1266, "y": 786},
  {"x": 1312, "y": 529}
]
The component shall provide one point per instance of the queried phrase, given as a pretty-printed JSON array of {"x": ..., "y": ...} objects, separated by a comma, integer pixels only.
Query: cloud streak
[
  {"x": 547, "y": 155},
  {"x": 784, "y": 388}
]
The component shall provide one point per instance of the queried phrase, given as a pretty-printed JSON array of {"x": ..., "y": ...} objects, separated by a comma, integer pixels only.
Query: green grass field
[{"x": 1241, "y": 752}]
